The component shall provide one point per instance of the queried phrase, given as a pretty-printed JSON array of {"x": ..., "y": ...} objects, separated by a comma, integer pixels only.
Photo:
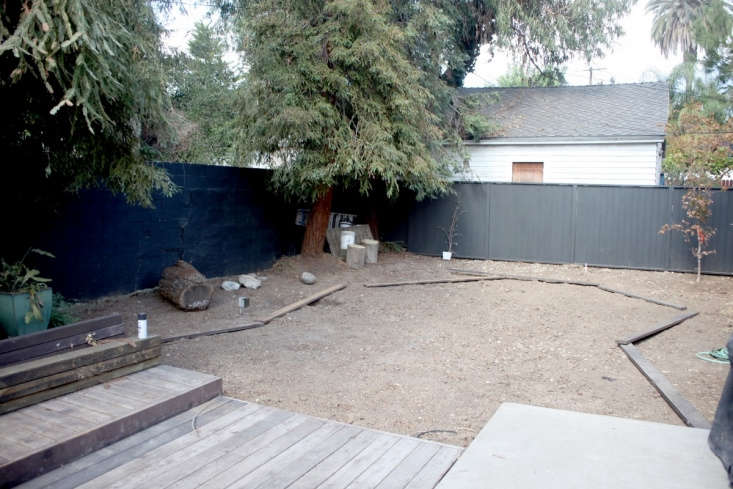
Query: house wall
[{"x": 604, "y": 163}]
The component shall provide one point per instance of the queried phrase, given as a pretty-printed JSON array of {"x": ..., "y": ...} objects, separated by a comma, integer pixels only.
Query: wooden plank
[
  {"x": 657, "y": 329},
  {"x": 328, "y": 466},
  {"x": 81, "y": 373},
  {"x": 569, "y": 282},
  {"x": 647, "y": 299},
  {"x": 385, "y": 464},
  {"x": 28, "y": 340},
  {"x": 140, "y": 465},
  {"x": 235, "y": 454},
  {"x": 349, "y": 471},
  {"x": 164, "y": 466},
  {"x": 14, "y": 404},
  {"x": 684, "y": 409},
  {"x": 190, "y": 336},
  {"x": 106, "y": 459},
  {"x": 43, "y": 367},
  {"x": 236, "y": 441},
  {"x": 76, "y": 341},
  {"x": 429, "y": 282},
  {"x": 59, "y": 406},
  {"x": 435, "y": 469},
  {"x": 252, "y": 462},
  {"x": 301, "y": 303},
  {"x": 167, "y": 373},
  {"x": 403, "y": 473},
  {"x": 45, "y": 460},
  {"x": 280, "y": 471},
  {"x": 523, "y": 172}
]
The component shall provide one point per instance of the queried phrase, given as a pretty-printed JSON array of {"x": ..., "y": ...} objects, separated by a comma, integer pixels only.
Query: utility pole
[{"x": 590, "y": 73}]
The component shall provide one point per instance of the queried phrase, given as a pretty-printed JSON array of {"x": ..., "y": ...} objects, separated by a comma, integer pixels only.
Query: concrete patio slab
[{"x": 526, "y": 446}]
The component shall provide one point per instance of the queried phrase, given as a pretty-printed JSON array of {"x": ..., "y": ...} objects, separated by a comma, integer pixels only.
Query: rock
[
  {"x": 307, "y": 278},
  {"x": 229, "y": 285},
  {"x": 250, "y": 281}
]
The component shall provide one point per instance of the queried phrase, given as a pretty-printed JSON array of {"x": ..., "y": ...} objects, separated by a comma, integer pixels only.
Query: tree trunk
[
  {"x": 185, "y": 287},
  {"x": 374, "y": 221},
  {"x": 315, "y": 229},
  {"x": 699, "y": 258}
]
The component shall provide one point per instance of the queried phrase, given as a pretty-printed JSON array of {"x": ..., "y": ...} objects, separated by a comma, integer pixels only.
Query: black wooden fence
[
  {"x": 614, "y": 226},
  {"x": 223, "y": 220}
]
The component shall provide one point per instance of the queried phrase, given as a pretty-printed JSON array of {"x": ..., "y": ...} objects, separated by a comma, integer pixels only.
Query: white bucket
[
  {"x": 347, "y": 238},
  {"x": 447, "y": 255}
]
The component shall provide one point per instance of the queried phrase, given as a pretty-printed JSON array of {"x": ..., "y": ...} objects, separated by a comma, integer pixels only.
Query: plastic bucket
[{"x": 347, "y": 238}]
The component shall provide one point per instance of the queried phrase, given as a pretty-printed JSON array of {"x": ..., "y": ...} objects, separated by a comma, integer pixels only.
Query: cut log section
[
  {"x": 355, "y": 256},
  {"x": 372, "y": 250},
  {"x": 185, "y": 287}
]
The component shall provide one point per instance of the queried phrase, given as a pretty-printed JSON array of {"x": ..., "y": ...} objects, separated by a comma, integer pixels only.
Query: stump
[
  {"x": 355, "y": 256},
  {"x": 185, "y": 287},
  {"x": 372, "y": 250}
]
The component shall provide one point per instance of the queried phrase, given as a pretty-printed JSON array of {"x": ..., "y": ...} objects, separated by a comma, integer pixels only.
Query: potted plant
[
  {"x": 25, "y": 297},
  {"x": 450, "y": 233}
]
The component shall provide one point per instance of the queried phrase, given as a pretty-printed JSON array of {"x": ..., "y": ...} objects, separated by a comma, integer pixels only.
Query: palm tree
[{"x": 674, "y": 26}]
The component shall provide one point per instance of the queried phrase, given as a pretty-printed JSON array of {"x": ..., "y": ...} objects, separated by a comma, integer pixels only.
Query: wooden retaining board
[
  {"x": 22, "y": 348},
  {"x": 39, "y": 438},
  {"x": 254, "y": 446},
  {"x": 684, "y": 408},
  {"x": 31, "y": 382}
]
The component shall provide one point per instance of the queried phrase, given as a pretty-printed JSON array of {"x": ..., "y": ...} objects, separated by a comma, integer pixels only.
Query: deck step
[
  {"x": 39, "y": 438},
  {"x": 232, "y": 443}
]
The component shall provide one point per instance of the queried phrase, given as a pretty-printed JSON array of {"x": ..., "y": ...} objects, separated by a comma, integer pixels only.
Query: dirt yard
[{"x": 443, "y": 357}]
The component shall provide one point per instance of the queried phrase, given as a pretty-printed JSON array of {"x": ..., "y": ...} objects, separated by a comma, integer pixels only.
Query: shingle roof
[{"x": 629, "y": 110}]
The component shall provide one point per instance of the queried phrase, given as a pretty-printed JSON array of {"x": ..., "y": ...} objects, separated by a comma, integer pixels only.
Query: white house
[{"x": 598, "y": 134}]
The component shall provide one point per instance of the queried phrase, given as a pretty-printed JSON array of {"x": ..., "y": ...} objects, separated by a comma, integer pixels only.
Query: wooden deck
[
  {"x": 41, "y": 437},
  {"x": 235, "y": 444}
]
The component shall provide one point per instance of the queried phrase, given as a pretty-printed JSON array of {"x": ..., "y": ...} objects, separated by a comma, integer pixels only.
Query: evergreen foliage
[
  {"x": 521, "y": 76},
  {"x": 203, "y": 95},
  {"x": 80, "y": 86},
  {"x": 350, "y": 92},
  {"x": 332, "y": 99}
]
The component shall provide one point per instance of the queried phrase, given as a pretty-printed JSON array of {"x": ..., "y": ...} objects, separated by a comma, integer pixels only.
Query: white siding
[{"x": 607, "y": 163}]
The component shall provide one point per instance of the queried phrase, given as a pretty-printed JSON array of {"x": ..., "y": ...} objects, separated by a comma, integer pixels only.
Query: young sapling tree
[{"x": 694, "y": 227}]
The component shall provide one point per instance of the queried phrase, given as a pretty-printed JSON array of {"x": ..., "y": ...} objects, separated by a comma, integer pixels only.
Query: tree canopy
[
  {"x": 80, "y": 85},
  {"x": 202, "y": 87},
  {"x": 359, "y": 93}
]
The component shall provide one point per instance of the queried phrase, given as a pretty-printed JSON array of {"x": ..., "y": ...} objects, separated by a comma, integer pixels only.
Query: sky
[{"x": 632, "y": 58}]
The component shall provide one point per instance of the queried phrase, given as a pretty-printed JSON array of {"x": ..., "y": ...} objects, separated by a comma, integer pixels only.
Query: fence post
[{"x": 574, "y": 223}]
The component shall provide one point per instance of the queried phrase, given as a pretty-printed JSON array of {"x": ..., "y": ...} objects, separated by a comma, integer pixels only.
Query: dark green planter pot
[{"x": 13, "y": 308}]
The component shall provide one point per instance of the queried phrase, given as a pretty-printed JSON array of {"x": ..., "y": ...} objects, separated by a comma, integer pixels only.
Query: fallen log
[{"x": 185, "y": 287}]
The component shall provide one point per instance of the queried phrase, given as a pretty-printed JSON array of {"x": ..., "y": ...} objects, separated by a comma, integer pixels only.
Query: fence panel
[
  {"x": 615, "y": 226},
  {"x": 530, "y": 222}
]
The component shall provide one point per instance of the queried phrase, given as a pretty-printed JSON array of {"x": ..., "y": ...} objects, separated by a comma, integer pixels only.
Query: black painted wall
[{"x": 224, "y": 221}]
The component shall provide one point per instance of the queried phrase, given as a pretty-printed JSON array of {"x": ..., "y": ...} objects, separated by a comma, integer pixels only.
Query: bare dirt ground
[{"x": 443, "y": 357}]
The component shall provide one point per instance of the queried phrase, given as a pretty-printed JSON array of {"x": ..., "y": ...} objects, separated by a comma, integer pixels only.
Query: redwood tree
[
  {"x": 331, "y": 99},
  {"x": 359, "y": 93}
]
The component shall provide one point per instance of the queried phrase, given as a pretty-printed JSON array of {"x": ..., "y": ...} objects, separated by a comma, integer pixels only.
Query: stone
[
  {"x": 229, "y": 285},
  {"x": 307, "y": 278},
  {"x": 250, "y": 281},
  {"x": 372, "y": 250},
  {"x": 355, "y": 256}
]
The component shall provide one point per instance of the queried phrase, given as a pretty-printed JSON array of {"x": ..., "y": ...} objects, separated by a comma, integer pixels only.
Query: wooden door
[{"x": 527, "y": 172}]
